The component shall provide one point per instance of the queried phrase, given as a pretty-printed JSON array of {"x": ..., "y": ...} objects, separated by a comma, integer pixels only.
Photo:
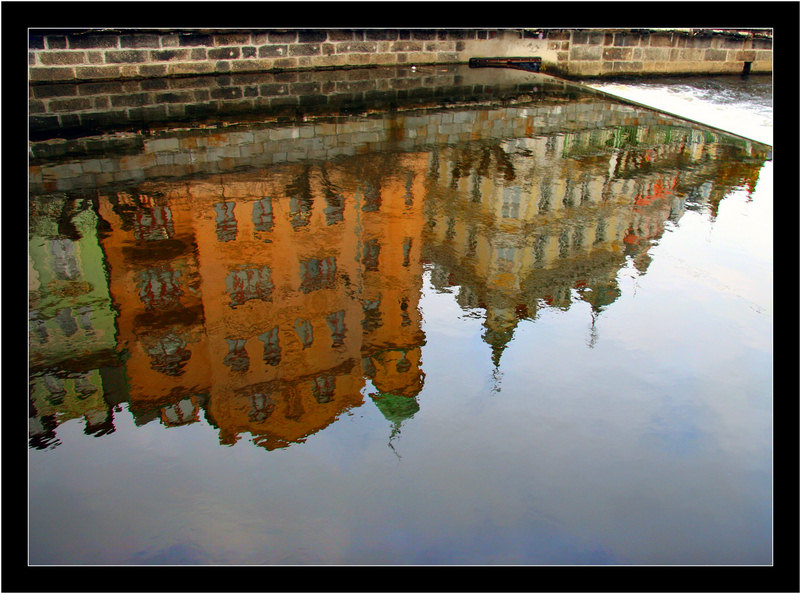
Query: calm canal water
[{"x": 530, "y": 331}]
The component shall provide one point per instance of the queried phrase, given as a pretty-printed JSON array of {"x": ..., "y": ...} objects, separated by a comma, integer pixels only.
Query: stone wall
[
  {"x": 68, "y": 109},
  {"x": 591, "y": 53},
  {"x": 93, "y": 55},
  {"x": 117, "y": 161}
]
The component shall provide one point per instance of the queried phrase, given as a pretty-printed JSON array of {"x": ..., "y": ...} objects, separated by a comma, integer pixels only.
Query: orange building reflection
[{"x": 267, "y": 297}]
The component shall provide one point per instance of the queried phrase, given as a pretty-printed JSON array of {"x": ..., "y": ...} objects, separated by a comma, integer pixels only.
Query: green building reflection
[{"x": 273, "y": 299}]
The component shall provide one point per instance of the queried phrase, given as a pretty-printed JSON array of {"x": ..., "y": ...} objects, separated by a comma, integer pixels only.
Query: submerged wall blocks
[{"x": 134, "y": 54}]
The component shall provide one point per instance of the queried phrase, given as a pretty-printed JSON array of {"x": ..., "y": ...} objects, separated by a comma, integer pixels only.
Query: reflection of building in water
[
  {"x": 70, "y": 307},
  {"x": 391, "y": 214},
  {"x": 154, "y": 279},
  {"x": 72, "y": 332},
  {"x": 545, "y": 220},
  {"x": 271, "y": 295},
  {"x": 274, "y": 297}
]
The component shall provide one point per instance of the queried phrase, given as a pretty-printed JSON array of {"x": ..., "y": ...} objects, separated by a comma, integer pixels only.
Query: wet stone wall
[
  {"x": 77, "y": 108},
  {"x": 133, "y": 157}
]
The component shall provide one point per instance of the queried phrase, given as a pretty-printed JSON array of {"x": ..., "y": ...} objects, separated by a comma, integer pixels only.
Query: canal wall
[
  {"x": 118, "y": 161},
  {"x": 72, "y": 109},
  {"x": 102, "y": 55}
]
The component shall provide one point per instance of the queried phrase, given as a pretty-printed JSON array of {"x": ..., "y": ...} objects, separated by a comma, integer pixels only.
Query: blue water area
[{"x": 534, "y": 329}]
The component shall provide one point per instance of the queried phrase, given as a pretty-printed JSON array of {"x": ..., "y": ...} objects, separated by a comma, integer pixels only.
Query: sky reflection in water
[{"x": 531, "y": 333}]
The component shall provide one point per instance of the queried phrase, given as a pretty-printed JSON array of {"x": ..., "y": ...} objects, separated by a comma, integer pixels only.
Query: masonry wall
[
  {"x": 112, "y": 161},
  {"x": 591, "y": 53},
  {"x": 93, "y": 55},
  {"x": 84, "y": 107}
]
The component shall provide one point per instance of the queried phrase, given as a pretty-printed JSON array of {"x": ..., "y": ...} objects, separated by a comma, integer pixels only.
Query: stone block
[
  {"x": 580, "y": 53},
  {"x": 190, "y": 68},
  {"x": 272, "y": 51},
  {"x": 587, "y": 37},
  {"x": 224, "y": 53},
  {"x": 340, "y": 35},
  {"x": 129, "y": 71},
  {"x": 626, "y": 39},
  {"x": 423, "y": 35},
  {"x": 39, "y": 122},
  {"x": 381, "y": 35},
  {"x": 285, "y": 63},
  {"x": 358, "y": 59},
  {"x": 460, "y": 34},
  {"x": 131, "y": 100},
  {"x": 165, "y": 55},
  {"x": 56, "y": 90},
  {"x": 62, "y": 58},
  {"x": 251, "y": 65},
  {"x": 37, "y": 42},
  {"x": 661, "y": 40},
  {"x": 126, "y": 56},
  {"x": 170, "y": 40},
  {"x": 305, "y": 49},
  {"x": 158, "y": 112},
  {"x": 729, "y": 42},
  {"x": 356, "y": 47},
  {"x": 198, "y": 53},
  {"x": 698, "y": 42},
  {"x": 174, "y": 97},
  {"x": 75, "y": 104},
  {"x": 745, "y": 56},
  {"x": 383, "y": 59},
  {"x": 406, "y": 46},
  {"x": 99, "y": 88},
  {"x": 50, "y": 74},
  {"x": 653, "y": 54},
  {"x": 249, "y": 52},
  {"x": 139, "y": 40},
  {"x": 195, "y": 39},
  {"x": 764, "y": 56},
  {"x": 331, "y": 61},
  {"x": 92, "y": 41},
  {"x": 312, "y": 36},
  {"x": 715, "y": 55},
  {"x": 692, "y": 55},
  {"x": 231, "y": 39},
  {"x": 152, "y": 70},
  {"x": 557, "y": 35},
  {"x": 282, "y": 36},
  {"x": 628, "y": 66},
  {"x": 56, "y": 42},
  {"x": 617, "y": 53}
]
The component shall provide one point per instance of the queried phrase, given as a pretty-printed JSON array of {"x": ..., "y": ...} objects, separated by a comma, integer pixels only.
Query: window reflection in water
[{"x": 317, "y": 265}]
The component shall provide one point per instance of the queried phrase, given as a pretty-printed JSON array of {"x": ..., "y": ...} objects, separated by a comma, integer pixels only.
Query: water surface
[{"x": 528, "y": 331}]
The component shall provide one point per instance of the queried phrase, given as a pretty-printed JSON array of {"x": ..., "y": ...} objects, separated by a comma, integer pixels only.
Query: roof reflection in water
[{"x": 267, "y": 276}]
